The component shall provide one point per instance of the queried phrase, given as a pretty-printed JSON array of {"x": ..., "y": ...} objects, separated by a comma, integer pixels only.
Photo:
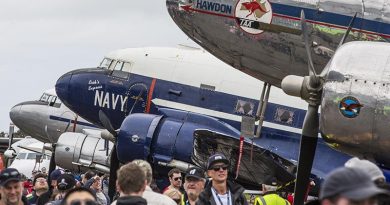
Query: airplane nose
[
  {"x": 14, "y": 113},
  {"x": 62, "y": 86}
]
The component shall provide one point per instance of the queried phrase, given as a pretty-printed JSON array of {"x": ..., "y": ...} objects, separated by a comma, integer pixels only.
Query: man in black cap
[
  {"x": 193, "y": 185},
  {"x": 221, "y": 191},
  {"x": 65, "y": 183},
  {"x": 11, "y": 187},
  {"x": 347, "y": 186},
  {"x": 40, "y": 187},
  {"x": 270, "y": 196}
]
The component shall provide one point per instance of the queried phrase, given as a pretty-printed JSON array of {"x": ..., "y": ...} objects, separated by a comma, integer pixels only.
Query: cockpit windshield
[
  {"x": 115, "y": 65},
  {"x": 106, "y": 63},
  {"x": 51, "y": 100}
]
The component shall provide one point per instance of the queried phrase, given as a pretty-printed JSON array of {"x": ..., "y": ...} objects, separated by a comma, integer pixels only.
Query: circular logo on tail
[
  {"x": 252, "y": 15},
  {"x": 350, "y": 107}
]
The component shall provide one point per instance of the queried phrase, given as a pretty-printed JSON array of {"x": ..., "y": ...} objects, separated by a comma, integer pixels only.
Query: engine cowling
[
  {"x": 80, "y": 152},
  {"x": 355, "y": 108},
  {"x": 164, "y": 140}
]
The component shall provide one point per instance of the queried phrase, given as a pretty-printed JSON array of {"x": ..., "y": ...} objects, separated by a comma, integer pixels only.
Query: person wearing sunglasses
[
  {"x": 194, "y": 184},
  {"x": 11, "y": 188},
  {"x": 174, "y": 176},
  {"x": 220, "y": 191}
]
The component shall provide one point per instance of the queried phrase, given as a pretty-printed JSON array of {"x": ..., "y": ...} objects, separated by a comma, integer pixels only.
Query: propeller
[
  {"x": 308, "y": 88},
  {"x": 114, "y": 162},
  {"x": 10, "y": 141}
]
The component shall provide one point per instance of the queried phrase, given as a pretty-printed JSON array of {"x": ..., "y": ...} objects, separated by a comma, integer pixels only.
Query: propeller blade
[
  {"x": 306, "y": 39},
  {"x": 106, "y": 122},
  {"x": 342, "y": 41},
  {"x": 306, "y": 153},
  {"x": 10, "y": 135},
  {"x": 114, "y": 166},
  {"x": 52, "y": 165}
]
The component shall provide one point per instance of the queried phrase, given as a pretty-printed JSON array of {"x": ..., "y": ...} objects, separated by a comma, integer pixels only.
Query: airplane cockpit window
[
  {"x": 21, "y": 156},
  {"x": 33, "y": 155},
  {"x": 120, "y": 69},
  {"x": 51, "y": 100},
  {"x": 105, "y": 63}
]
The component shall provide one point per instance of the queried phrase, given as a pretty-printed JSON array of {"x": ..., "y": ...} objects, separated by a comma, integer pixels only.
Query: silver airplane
[
  {"x": 298, "y": 45},
  {"x": 47, "y": 118}
]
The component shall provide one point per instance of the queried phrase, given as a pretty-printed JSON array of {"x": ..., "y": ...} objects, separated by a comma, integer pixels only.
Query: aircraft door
[{"x": 136, "y": 95}]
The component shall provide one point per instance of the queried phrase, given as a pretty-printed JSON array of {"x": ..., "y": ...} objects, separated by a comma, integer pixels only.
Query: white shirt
[{"x": 226, "y": 198}]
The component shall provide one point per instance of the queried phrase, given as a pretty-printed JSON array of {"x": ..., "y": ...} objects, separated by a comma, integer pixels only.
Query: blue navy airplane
[{"x": 176, "y": 106}]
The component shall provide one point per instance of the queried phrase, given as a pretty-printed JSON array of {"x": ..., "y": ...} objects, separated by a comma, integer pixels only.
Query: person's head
[
  {"x": 97, "y": 183},
  {"x": 175, "y": 177},
  {"x": 65, "y": 182},
  {"x": 147, "y": 169},
  {"x": 270, "y": 184},
  {"x": 194, "y": 182},
  {"x": 349, "y": 186},
  {"x": 131, "y": 180},
  {"x": 79, "y": 196},
  {"x": 54, "y": 175},
  {"x": 174, "y": 194},
  {"x": 11, "y": 186},
  {"x": 217, "y": 168},
  {"x": 40, "y": 183},
  {"x": 372, "y": 169},
  {"x": 88, "y": 175}
]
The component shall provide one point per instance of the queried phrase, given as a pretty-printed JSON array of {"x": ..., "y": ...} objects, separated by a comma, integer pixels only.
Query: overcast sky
[{"x": 42, "y": 39}]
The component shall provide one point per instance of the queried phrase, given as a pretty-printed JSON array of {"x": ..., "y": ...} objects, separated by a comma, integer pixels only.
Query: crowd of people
[{"x": 360, "y": 182}]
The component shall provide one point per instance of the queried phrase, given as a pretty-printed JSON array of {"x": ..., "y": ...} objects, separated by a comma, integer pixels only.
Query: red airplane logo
[{"x": 254, "y": 7}]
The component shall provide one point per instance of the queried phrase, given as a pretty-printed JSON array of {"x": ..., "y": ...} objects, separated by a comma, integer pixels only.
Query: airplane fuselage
[
  {"x": 266, "y": 43},
  {"x": 189, "y": 80}
]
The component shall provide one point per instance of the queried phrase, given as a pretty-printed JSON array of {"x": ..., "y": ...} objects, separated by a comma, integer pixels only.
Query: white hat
[{"x": 371, "y": 168}]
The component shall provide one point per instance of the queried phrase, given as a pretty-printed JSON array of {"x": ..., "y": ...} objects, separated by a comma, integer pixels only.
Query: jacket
[
  {"x": 131, "y": 200},
  {"x": 271, "y": 198},
  {"x": 236, "y": 190}
]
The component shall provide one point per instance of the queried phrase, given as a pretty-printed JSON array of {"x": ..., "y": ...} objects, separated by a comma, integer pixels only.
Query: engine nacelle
[
  {"x": 355, "y": 108},
  {"x": 164, "y": 140},
  {"x": 80, "y": 152},
  {"x": 10, "y": 153}
]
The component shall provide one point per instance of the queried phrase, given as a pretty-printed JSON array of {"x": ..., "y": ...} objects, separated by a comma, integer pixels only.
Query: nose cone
[
  {"x": 62, "y": 86},
  {"x": 14, "y": 114},
  {"x": 27, "y": 116}
]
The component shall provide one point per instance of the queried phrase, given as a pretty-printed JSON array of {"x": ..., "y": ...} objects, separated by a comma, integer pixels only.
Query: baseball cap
[
  {"x": 40, "y": 175},
  {"x": 65, "y": 182},
  {"x": 195, "y": 172},
  {"x": 352, "y": 183},
  {"x": 216, "y": 158},
  {"x": 369, "y": 167},
  {"x": 9, "y": 174},
  {"x": 271, "y": 181},
  {"x": 55, "y": 174}
]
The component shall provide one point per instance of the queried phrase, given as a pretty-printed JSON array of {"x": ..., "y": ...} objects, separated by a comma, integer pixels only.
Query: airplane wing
[
  {"x": 255, "y": 167},
  {"x": 35, "y": 149}
]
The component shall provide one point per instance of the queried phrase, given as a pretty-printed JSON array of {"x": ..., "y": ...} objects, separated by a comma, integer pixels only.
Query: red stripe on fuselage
[
  {"x": 150, "y": 94},
  {"x": 289, "y": 17}
]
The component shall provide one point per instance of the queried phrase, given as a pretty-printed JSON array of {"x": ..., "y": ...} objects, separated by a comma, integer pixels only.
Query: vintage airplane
[
  {"x": 263, "y": 38},
  {"x": 176, "y": 106},
  {"x": 47, "y": 118}
]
